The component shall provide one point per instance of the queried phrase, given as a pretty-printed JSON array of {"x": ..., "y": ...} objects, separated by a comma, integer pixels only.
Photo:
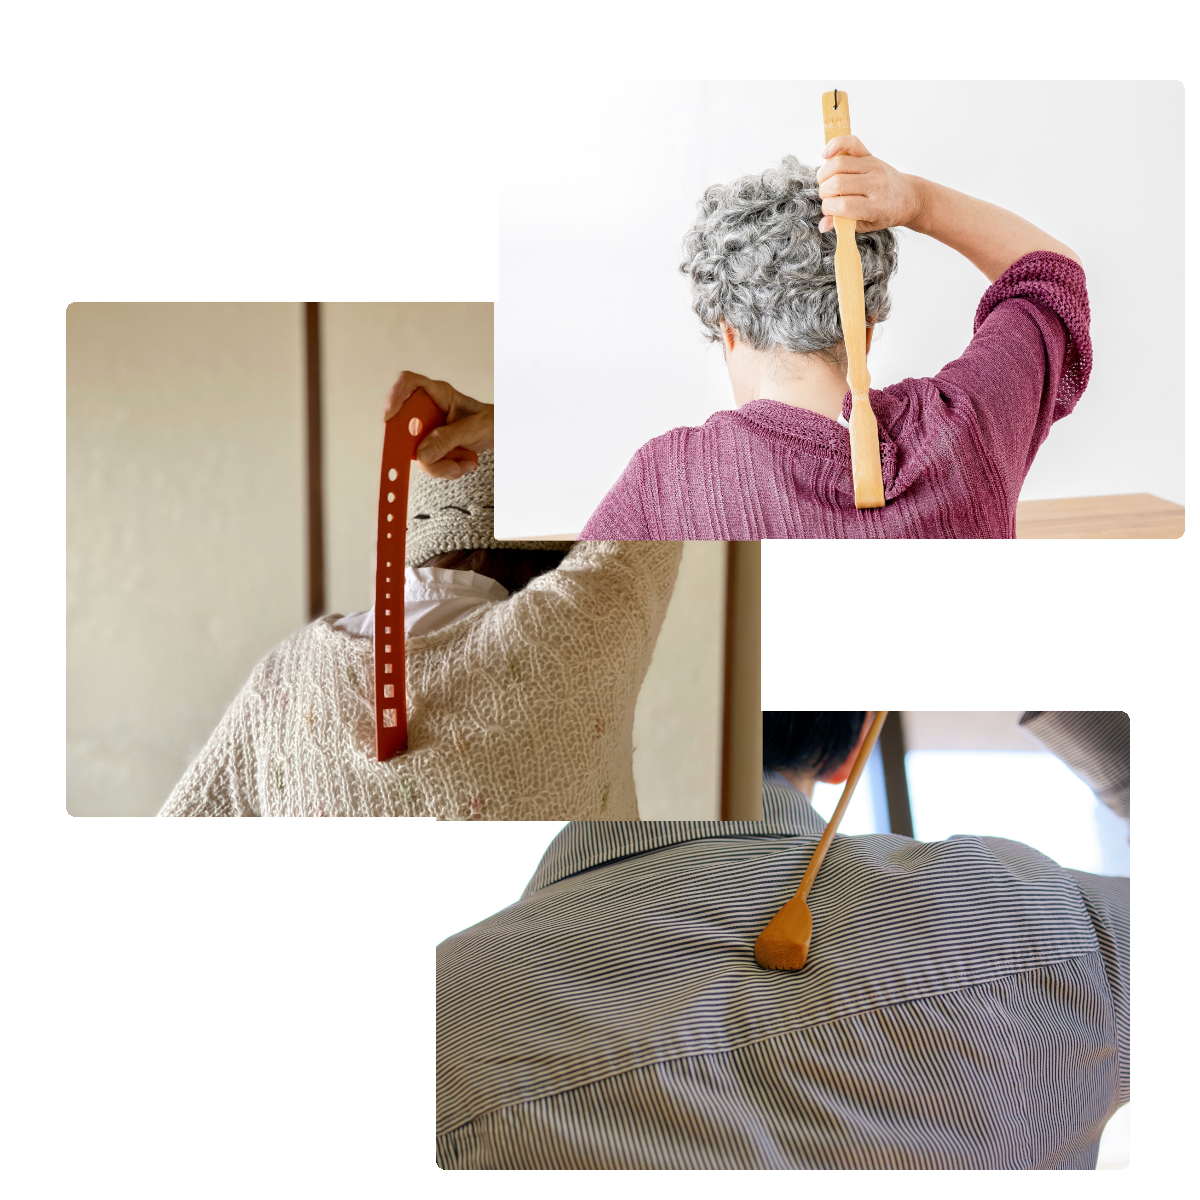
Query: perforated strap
[{"x": 417, "y": 418}]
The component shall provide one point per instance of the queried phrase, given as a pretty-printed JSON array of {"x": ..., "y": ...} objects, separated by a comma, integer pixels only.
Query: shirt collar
[
  {"x": 810, "y": 432},
  {"x": 582, "y": 845},
  {"x": 434, "y": 597},
  {"x": 443, "y": 583}
]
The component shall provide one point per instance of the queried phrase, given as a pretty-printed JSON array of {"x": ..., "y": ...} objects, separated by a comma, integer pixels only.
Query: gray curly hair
[{"x": 756, "y": 260}]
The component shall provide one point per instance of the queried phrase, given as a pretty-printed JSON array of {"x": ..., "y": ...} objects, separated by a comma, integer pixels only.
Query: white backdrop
[{"x": 597, "y": 349}]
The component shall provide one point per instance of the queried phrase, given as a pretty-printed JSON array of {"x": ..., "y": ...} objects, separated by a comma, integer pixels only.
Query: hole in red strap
[
  {"x": 414, "y": 427},
  {"x": 393, "y": 473},
  {"x": 389, "y": 718},
  {"x": 387, "y": 668},
  {"x": 389, "y": 690}
]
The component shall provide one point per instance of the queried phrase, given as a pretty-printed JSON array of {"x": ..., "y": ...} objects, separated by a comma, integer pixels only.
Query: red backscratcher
[{"x": 403, "y": 433}]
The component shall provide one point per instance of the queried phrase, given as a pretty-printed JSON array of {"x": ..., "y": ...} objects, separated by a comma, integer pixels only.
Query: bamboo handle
[
  {"x": 860, "y": 763},
  {"x": 864, "y": 430}
]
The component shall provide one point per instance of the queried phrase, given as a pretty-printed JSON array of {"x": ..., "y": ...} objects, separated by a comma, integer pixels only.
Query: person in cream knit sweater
[{"x": 520, "y": 706}]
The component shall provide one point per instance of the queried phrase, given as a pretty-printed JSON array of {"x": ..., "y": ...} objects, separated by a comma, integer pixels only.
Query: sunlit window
[
  {"x": 1028, "y": 797},
  {"x": 867, "y": 812}
]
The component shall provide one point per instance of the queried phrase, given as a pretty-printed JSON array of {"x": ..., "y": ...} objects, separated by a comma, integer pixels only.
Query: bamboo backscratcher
[
  {"x": 783, "y": 945},
  {"x": 864, "y": 432}
]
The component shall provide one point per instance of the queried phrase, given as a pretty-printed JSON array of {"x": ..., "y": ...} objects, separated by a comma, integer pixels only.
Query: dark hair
[
  {"x": 511, "y": 569},
  {"x": 809, "y": 741}
]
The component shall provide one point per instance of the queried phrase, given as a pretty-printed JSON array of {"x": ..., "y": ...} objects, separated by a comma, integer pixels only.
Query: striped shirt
[{"x": 965, "y": 1005}]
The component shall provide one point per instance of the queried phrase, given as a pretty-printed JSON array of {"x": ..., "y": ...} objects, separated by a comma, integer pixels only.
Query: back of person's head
[
  {"x": 451, "y": 524},
  {"x": 811, "y": 742},
  {"x": 756, "y": 261},
  {"x": 511, "y": 569}
]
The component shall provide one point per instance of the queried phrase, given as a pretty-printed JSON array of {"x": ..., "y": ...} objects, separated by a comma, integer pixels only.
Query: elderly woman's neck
[
  {"x": 811, "y": 381},
  {"x": 804, "y": 381}
]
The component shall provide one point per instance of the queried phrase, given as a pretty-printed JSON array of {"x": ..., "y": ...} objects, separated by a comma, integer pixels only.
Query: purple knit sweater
[{"x": 955, "y": 448}]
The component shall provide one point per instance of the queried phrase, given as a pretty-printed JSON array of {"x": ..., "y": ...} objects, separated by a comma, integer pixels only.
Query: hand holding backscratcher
[
  {"x": 452, "y": 449},
  {"x": 856, "y": 185},
  {"x": 783, "y": 945},
  {"x": 864, "y": 431}
]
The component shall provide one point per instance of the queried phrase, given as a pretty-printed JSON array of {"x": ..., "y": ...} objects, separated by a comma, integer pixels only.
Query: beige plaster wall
[
  {"x": 677, "y": 723},
  {"x": 185, "y": 552}
]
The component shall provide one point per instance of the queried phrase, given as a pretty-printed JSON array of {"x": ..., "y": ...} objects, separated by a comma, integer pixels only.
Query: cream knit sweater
[{"x": 521, "y": 711}]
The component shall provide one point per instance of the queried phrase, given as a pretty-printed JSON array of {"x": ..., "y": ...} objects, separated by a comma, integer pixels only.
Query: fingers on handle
[
  {"x": 847, "y": 144},
  {"x": 451, "y": 442},
  {"x": 474, "y": 431},
  {"x": 856, "y": 207},
  {"x": 455, "y": 464},
  {"x": 444, "y": 438}
]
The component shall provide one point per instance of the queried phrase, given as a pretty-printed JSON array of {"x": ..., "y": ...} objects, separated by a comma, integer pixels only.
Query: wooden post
[
  {"x": 741, "y": 756},
  {"x": 313, "y": 470}
]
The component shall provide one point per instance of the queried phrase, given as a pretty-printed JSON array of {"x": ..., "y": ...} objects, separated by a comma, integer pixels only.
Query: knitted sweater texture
[
  {"x": 955, "y": 447},
  {"x": 522, "y": 710}
]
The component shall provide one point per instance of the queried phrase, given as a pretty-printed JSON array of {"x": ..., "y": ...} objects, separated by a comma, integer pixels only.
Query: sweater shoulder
[
  {"x": 719, "y": 424},
  {"x": 319, "y": 638}
]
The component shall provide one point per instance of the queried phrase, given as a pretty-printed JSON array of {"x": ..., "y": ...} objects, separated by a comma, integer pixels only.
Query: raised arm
[
  {"x": 854, "y": 183},
  {"x": 1095, "y": 745}
]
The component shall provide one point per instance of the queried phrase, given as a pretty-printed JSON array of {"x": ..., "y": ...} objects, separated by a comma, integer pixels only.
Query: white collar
[{"x": 434, "y": 597}]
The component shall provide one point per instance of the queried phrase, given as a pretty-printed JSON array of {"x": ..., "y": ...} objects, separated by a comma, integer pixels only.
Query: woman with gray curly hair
[{"x": 955, "y": 447}]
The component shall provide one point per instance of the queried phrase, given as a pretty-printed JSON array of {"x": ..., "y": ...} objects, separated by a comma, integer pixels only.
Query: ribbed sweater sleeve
[
  {"x": 622, "y": 512},
  {"x": 1029, "y": 360}
]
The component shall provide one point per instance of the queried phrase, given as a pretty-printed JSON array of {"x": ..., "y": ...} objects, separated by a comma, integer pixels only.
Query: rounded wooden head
[
  {"x": 783, "y": 945},
  {"x": 780, "y": 955}
]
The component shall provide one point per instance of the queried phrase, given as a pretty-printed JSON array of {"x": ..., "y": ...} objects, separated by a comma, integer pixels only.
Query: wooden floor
[{"x": 1138, "y": 515}]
